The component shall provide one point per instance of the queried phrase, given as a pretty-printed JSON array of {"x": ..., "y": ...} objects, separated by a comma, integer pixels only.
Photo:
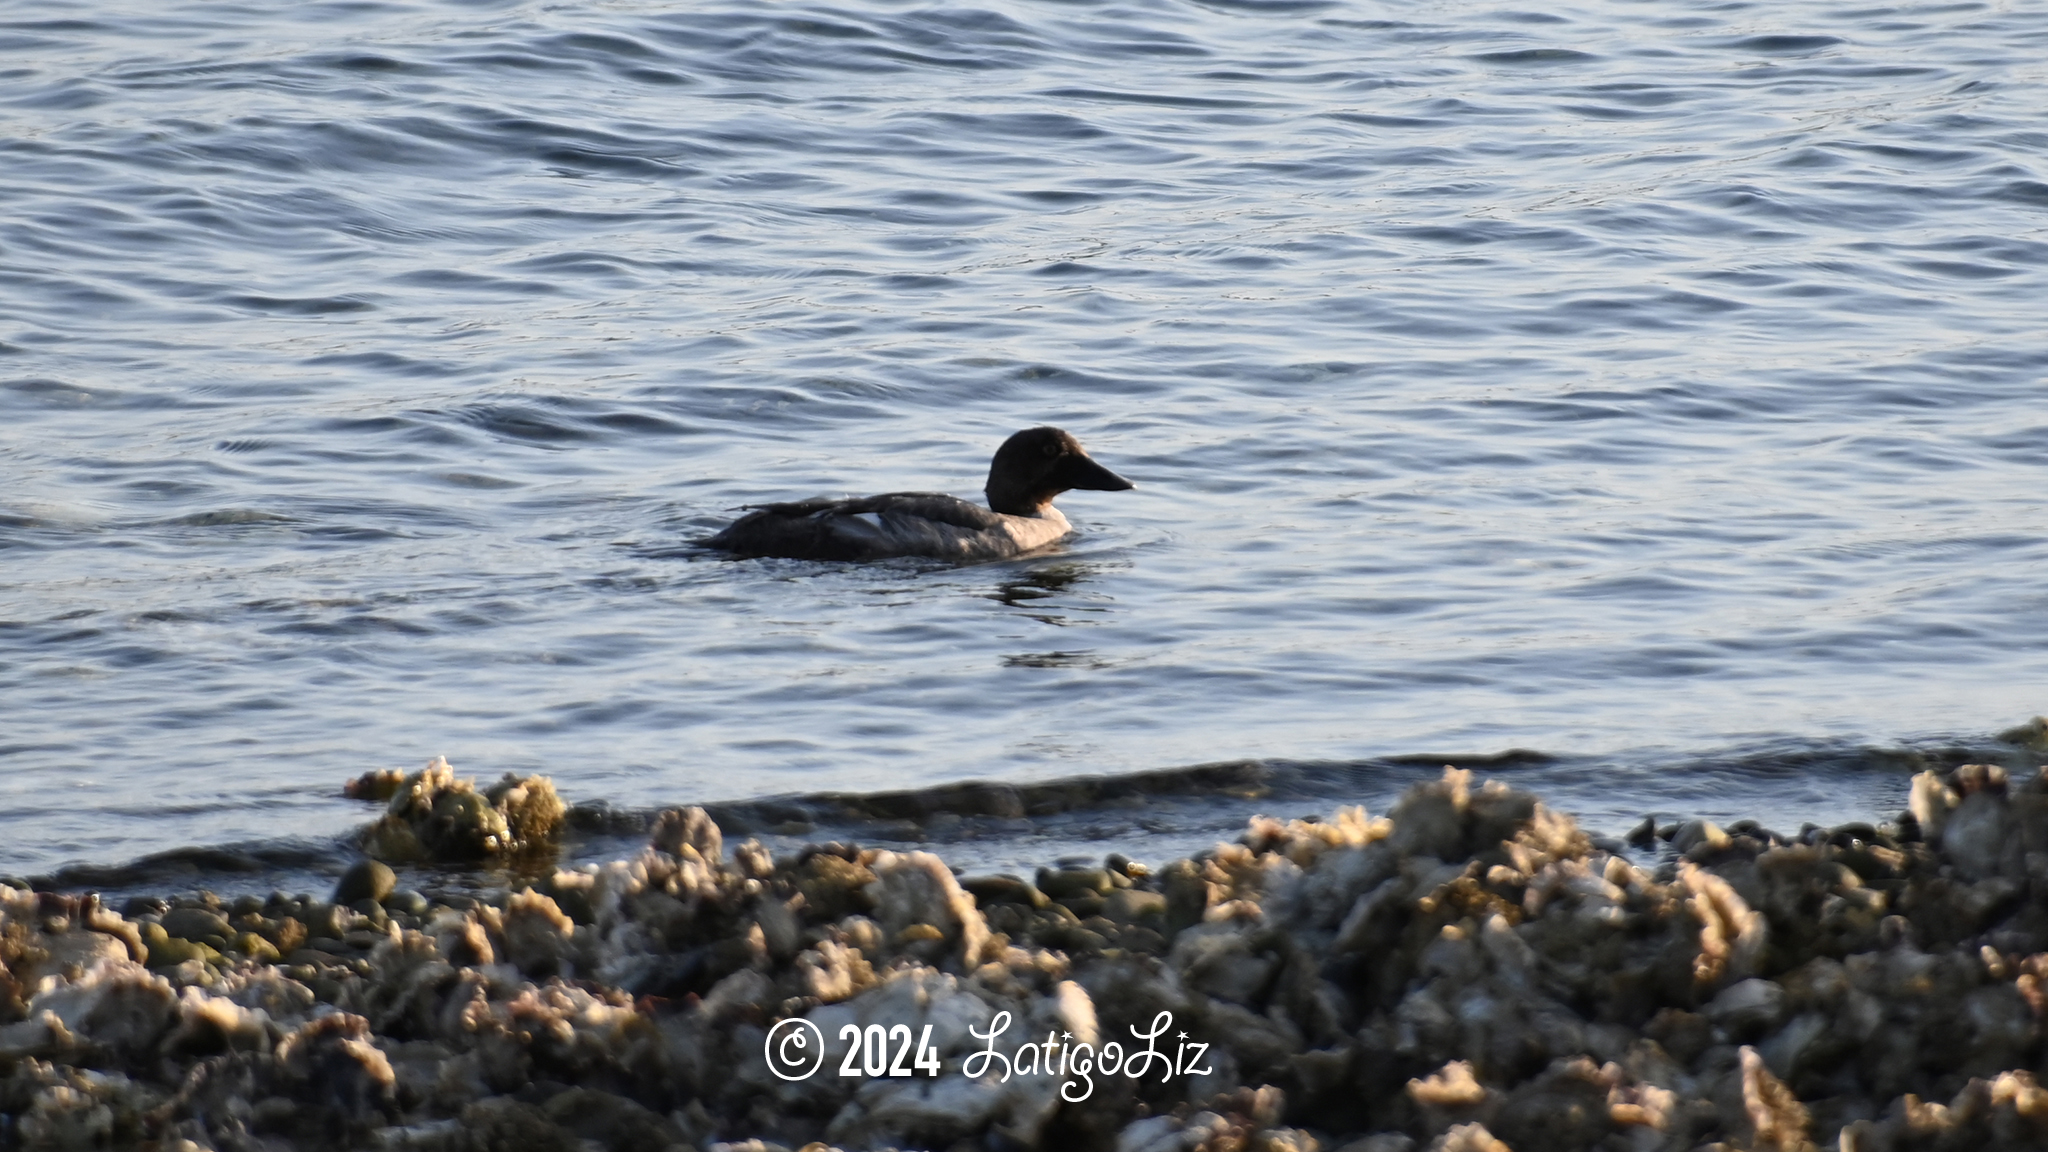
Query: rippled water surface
[{"x": 1628, "y": 381}]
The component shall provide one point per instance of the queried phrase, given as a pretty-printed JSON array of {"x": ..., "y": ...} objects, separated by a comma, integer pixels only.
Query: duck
[{"x": 1029, "y": 469}]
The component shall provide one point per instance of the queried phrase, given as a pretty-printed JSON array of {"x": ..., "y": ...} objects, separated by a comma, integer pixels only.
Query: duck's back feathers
[
  {"x": 934, "y": 506},
  {"x": 897, "y": 524},
  {"x": 1029, "y": 469}
]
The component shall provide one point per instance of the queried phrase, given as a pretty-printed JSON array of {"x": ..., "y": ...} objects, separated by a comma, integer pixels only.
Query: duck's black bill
[{"x": 1078, "y": 471}]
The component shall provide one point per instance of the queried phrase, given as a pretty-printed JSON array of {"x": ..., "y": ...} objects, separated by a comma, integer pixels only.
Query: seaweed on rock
[{"x": 434, "y": 815}]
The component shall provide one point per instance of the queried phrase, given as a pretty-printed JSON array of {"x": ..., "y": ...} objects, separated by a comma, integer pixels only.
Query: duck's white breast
[{"x": 1030, "y": 532}]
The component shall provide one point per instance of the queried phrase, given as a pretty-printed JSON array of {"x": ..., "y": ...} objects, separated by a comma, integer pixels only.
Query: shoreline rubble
[{"x": 1469, "y": 973}]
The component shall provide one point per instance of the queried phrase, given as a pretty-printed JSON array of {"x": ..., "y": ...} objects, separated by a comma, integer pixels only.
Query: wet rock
[
  {"x": 781, "y": 924},
  {"x": 1187, "y": 895},
  {"x": 115, "y": 1007},
  {"x": 916, "y": 888},
  {"x": 1222, "y": 961},
  {"x": 1132, "y": 906},
  {"x": 539, "y": 936},
  {"x": 1776, "y": 1118},
  {"x": 503, "y": 1124},
  {"x": 1979, "y": 835},
  {"x": 831, "y": 971},
  {"x": 571, "y": 893},
  {"x": 435, "y": 816},
  {"x": 1571, "y": 1105},
  {"x": 1003, "y": 890},
  {"x": 57, "y": 1106},
  {"x": 1452, "y": 1095},
  {"x": 753, "y": 860},
  {"x": 1700, "y": 840},
  {"x": 615, "y": 1122},
  {"x": 1063, "y": 883},
  {"x": 1644, "y": 834},
  {"x": 209, "y": 1024},
  {"x": 1468, "y": 1138},
  {"x": 325, "y": 921},
  {"x": 64, "y": 955},
  {"x": 679, "y": 829},
  {"x": 365, "y": 880},
  {"x": 195, "y": 924},
  {"x": 378, "y": 784},
  {"x": 1380, "y": 1142},
  {"x": 336, "y": 1073},
  {"x": 1931, "y": 801},
  {"x": 834, "y": 886},
  {"x": 1746, "y": 1009},
  {"x": 407, "y": 902},
  {"x": 2033, "y": 735},
  {"x": 1732, "y": 936},
  {"x": 165, "y": 950}
]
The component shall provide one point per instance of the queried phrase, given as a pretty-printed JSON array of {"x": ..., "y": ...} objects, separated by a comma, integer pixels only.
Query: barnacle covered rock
[
  {"x": 1469, "y": 972},
  {"x": 433, "y": 815}
]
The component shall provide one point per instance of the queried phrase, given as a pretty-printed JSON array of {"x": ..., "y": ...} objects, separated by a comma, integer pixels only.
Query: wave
[{"x": 991, "y": 825}]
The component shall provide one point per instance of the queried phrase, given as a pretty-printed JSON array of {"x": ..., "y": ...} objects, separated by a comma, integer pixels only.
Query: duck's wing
[
  {"x": 934, "y": 506},
  {"x": 864, "y": 528},
  {"x": 800, "y": 529}
]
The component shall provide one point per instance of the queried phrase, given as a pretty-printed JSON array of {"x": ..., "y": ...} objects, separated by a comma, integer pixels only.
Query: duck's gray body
[
  {"x": 899, "y": 524},
  {"x": 1028, "y": 471}
]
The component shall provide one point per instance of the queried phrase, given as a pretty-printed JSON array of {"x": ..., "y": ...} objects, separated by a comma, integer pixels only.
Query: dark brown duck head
[{"x": 1038, "y": 464}]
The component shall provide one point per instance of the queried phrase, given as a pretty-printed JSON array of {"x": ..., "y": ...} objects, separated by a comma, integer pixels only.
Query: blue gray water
[{"x": 1657, "y": 386}]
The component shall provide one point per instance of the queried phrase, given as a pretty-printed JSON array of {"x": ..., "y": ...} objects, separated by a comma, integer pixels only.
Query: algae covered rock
[
  {"x": 2033, "y": 735},
  {"x": 435, "y": 816},
  {"x": 378, "y": 784}
]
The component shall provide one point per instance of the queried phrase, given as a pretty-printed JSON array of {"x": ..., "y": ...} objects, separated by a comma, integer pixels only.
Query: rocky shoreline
[{"x": 1470, "y": 973}]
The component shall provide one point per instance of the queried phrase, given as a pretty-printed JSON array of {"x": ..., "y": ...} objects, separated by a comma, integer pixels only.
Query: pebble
[
  {"x": 407, "y": 902},
  {"x": 1066, "y": 882},
  {"x": 1643, "y": 835},
  {"x": 194, "y": 923},
  {"x": 1003, "y": 890},
  {"x": 365, "y": 880}
]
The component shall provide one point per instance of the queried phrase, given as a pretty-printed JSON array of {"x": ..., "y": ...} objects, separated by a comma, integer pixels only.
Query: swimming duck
[{"x": 1030, "y": 469}]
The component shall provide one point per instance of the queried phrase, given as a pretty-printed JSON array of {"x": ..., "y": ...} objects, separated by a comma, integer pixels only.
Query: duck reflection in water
[{"x": 1032, "y": 591}]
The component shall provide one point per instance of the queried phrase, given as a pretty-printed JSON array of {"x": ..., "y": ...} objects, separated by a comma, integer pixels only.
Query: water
[{"x": 1658, "y": 387}]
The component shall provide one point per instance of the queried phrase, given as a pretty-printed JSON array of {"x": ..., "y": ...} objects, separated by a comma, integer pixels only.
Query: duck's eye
[{"x": 1052, "y": 450}]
